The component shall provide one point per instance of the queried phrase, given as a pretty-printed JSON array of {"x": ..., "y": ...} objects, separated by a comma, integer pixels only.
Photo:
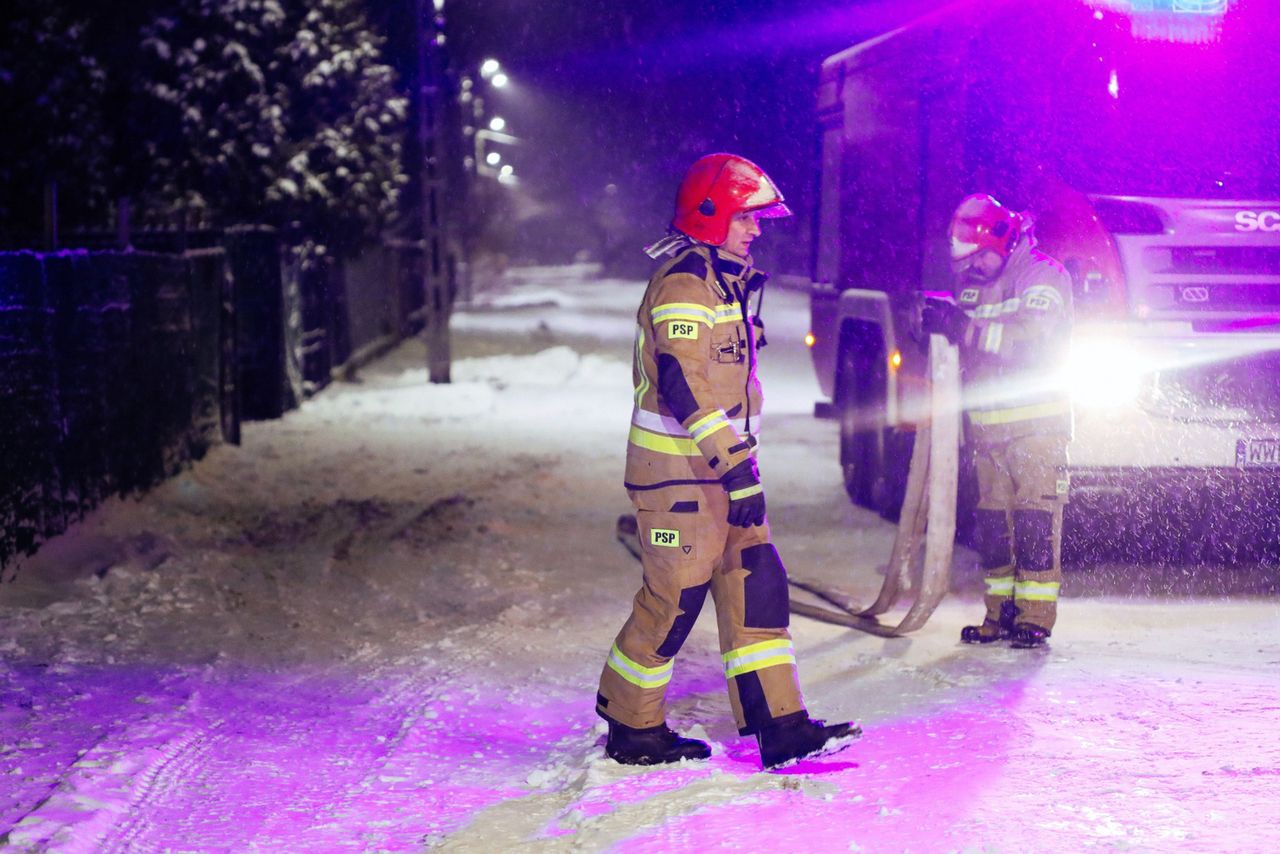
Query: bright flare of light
[
  {"x": 506, "y": 169},
  {"x": 493, "y": 158},
  {"x": 895, "y": 360},
  {"x": 1105, "y": 373},
  {"x": 1113, "y": 84},
  {"x": 489, "y": 67},
  {"x": 500, "y": 80},
  {"x": 809, "y": 340},
  {"x": 497, "y": 123}
]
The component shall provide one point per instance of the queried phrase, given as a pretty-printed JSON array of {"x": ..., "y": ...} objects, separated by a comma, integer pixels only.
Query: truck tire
[{"x": 873, "y": 457}]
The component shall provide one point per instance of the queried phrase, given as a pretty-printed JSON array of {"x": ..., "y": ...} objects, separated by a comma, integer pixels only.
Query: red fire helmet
[
  {"x": 718, "y": 186},
  {"x": 980, "y": 222}
]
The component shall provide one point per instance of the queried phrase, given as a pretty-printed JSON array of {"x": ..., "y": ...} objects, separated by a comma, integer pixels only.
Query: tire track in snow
[{"x": 111, "y": 782}]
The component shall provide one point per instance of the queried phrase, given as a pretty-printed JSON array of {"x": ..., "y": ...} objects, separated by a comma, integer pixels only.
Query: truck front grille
[
  {"x": 1213, "y": 260},
  {"x": 1245, "y": 388}
]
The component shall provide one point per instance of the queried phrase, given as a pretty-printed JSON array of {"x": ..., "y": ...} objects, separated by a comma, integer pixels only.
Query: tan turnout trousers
[
  {"x": 686, "y": 554},
  {"x": 1022, "y": 487}
]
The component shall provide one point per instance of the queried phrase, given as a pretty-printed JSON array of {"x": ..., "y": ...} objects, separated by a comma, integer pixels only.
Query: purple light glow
[{"x": 1191, "y": 21}]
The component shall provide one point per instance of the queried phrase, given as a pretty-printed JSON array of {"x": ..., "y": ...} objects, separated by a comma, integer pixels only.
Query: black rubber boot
[
  {"x": 986, "y": 633},
  {"x": 655, "y": 745},
  {"x": 793, "y": 737},
  {"x": 991, "y": 630},
  {"x": 1027, "y": 636}
]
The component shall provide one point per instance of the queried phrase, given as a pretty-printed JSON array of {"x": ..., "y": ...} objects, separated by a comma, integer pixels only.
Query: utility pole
[{"x": 437, "y": 300}]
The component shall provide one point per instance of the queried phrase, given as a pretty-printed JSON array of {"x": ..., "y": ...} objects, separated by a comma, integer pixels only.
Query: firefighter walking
[
  {"x": 691, "y": 475},
  {"x": 1012, "y": 321}
]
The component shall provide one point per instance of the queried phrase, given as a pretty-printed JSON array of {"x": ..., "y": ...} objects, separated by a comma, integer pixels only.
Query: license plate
[{"x": 1258, "y": 453}]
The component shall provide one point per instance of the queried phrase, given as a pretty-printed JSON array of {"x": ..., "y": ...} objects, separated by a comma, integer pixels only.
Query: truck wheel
[
  {"x": 859, "y": 403},
  {"x": 966, "y": 497}
]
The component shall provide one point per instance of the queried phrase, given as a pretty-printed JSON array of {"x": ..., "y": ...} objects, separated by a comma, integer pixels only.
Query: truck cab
[{"x": 1148, "y": 154}]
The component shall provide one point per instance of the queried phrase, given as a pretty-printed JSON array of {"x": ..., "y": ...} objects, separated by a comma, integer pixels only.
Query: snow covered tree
[
  {"x": 53, "y": 129},
  {"x": 275, "y": 112}
]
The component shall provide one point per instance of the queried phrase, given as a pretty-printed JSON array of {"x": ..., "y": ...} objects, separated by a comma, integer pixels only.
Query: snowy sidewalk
[{"x": 378, "y": 626}]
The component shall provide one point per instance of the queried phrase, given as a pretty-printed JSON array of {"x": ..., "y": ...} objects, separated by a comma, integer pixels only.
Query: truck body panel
[{"x": 1152, "y": 169}]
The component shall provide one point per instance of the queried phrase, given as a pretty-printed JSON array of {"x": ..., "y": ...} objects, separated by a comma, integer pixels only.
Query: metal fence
[{"x": 116, "y": 370}]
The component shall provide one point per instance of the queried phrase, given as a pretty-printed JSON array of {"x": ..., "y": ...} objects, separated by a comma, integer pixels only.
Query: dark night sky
[{"x": 630, "y": 93}]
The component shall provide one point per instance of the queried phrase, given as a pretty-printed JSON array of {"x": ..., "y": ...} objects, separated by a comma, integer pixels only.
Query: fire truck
[{"x": 1144, "y": 140}]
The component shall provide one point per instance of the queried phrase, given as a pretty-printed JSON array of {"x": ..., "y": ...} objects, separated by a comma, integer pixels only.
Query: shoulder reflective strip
[
  {"x": 685, "y": 315},
  {"x": 739, "y": 494},
  {"x": 992, "y": 337},
  {"x": 1036, "y": 591},
  {"x": 1019, "y": 413},
  {"x": 728, "y": 313},
  {"x": 708, "y": 424},
  {"x": 672, "y": 445},
  {"x": 758, "y": 656},
  {"x": 1000, "y": 586},
  {"x": 638, "y": 674},
  {"x": 683, "y": 311},
  {"x": 643, "y": 388},
  {"x": 1049, "y": 292}
]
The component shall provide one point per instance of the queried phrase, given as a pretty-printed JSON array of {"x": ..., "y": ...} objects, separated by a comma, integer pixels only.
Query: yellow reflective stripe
[
  {"x": 746, "y": 492},
  {"x": 1009, "y": 306},
  {"x": 667, "y": 424},
  {"x": 751, "y": 667},
  {"x": 643, "y": 388},
  {"x": 638, "y": 674},
  {"x": 1002, "y": 586},
  {"x": 691, "y": 318},
  {"x": 683, "y": 311},
  {"x": 992, "y": 337},
  {"x": 1019, "y": 413},
  {"x": 758, "y": 656},
  {"x": 708, "y": 424},
  {"x": 1036, "y": 591},
  {"x": 728, "y": 313},
  {"x": 663, "y": 444}
]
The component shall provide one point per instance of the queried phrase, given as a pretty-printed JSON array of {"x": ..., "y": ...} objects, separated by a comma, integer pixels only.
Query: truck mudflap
[{"x": 920, "y": 561}]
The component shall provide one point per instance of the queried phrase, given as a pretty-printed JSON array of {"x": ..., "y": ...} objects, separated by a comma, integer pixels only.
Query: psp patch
[
  {"x": 664, "y": 537},
  {"x": 682, "y": 329}
]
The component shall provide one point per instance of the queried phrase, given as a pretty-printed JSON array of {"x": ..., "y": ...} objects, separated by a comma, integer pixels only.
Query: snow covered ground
[{"x": 378, "y": 626}]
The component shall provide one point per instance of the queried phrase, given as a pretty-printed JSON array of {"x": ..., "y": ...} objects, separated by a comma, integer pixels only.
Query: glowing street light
[
  {"x": 489, "y": 68},
  {"x": 497, "y": 123},
  {"x": 493, "y": 158},
  {"x": 506, "y": 170},
  {"x": 500, "y": 80}
]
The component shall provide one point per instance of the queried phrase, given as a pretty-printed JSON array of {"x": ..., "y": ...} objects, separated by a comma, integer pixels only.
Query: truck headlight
[{"x": 1102, "y": 373}]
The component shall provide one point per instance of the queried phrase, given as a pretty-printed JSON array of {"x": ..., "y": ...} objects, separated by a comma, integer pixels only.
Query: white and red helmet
[
  {"x": 717, "y": 187},
  {"x": 980, "y": 222}
]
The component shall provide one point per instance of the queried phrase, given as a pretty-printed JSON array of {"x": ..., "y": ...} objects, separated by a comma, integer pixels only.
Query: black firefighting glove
[
  {"x": 945, "y": 318},
  {"x": 746, "y": 495}
]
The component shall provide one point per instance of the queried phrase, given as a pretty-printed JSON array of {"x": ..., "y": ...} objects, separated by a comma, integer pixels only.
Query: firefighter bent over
[
  {"x": 691, "y": 475},
  {"x": 1013, "y": 326}
]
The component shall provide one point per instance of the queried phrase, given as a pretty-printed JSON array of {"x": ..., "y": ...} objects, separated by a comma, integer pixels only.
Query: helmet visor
[{"x": 777, "y": 210}]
